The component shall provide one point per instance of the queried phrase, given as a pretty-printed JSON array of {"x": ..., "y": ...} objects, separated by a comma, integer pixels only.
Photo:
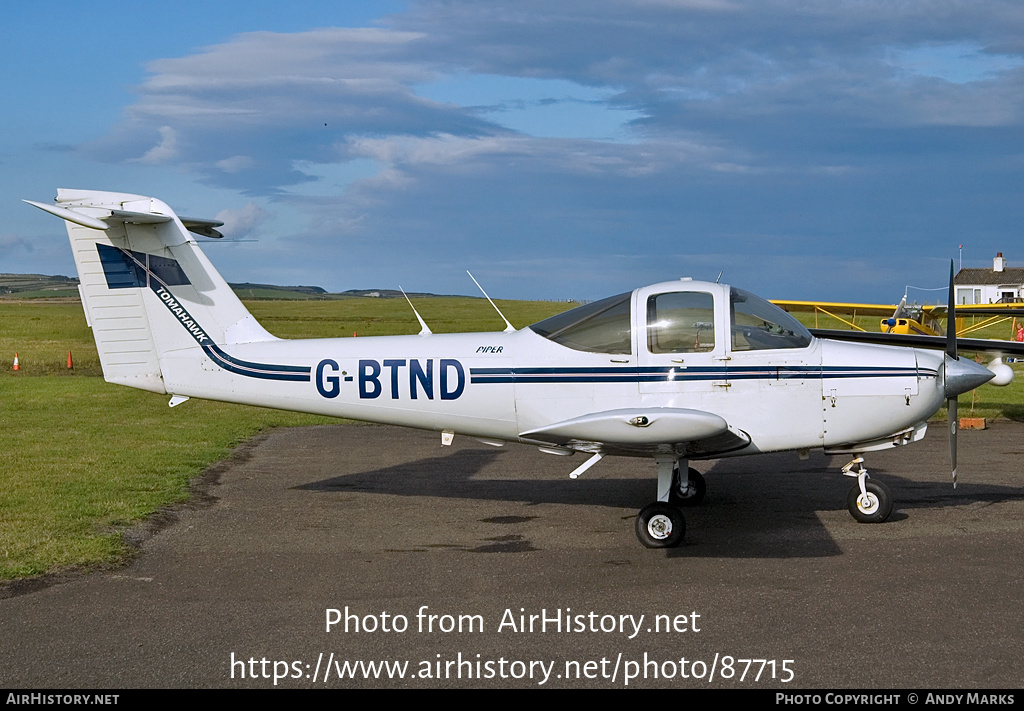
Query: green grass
[
  {"x": 256, "y": 292},
  {"x": 71, "y": 293},
  {"x": 82, "y": 459},
  {"x": 75, "y": 473},
  {"x": 42, "y": 334},
  {"x": 384, "y": 317}
]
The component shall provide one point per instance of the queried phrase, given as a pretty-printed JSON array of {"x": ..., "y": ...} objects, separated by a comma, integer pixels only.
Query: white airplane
[{"x": 674, "y": 371}]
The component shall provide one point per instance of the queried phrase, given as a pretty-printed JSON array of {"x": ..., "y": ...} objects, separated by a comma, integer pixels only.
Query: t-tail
[{"x": 132, "y": 252}]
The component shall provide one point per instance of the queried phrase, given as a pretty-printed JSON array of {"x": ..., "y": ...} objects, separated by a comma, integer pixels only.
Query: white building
[{"x": 990, "y": 286}]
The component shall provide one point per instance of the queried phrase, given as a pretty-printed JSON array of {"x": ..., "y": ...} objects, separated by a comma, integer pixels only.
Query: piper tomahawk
[{"x": 673, "y": 372}]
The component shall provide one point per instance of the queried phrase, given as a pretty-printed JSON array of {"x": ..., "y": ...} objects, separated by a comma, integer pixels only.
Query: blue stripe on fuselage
[{"x": 661, "y": 374}]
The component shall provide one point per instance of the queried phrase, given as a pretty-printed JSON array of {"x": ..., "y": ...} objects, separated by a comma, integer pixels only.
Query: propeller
[
  {"x": 960, "y": 376},
  {"x": 952, "y": 404},
  {"x": 891, "y": 321}
]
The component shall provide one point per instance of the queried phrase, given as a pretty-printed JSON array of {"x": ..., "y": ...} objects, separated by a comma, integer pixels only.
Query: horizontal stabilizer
[
  {"x": 70, "y": 215},
  {"x": 106, "y": 214},
  {"x": 136, "y": 218},
  {"x": 199, "y": 226}
]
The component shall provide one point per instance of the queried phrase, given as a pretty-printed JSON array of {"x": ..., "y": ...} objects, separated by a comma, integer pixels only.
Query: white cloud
[
  {"x": 242, "y": 222},
  {"x": 236, "y": 164},
  {"x": 452, "y": 121},
  {"x": 273, "y": 78},
  {"x": 11, "y": 242},
  {"x": 164, "y": 151}
]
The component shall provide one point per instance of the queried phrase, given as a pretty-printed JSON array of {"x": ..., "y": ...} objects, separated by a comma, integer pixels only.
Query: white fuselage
[{"x": 498, "y": 385}]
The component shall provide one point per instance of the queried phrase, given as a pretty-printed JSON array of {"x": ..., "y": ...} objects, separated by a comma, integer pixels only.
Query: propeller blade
[
  {"x": 954, "y": 425},
  {"x": 951, "y": 315},
  {"x": 951, "y": 402}
]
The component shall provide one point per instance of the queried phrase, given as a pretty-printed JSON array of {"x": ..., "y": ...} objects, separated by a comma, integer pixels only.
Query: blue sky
[{"x": 557, "y": 150}]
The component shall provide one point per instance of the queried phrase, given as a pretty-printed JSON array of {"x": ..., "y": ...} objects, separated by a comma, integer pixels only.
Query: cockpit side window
[
  {"x": 681, "y": 322},
  {"x": 600, "y": 327},
  {"x": 761, "y": 325}
]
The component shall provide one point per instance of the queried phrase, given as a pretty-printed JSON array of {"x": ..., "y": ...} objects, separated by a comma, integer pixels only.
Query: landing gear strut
[
  {"x": 869, "y": 501},
  {"x": 690, "y": 493},
  {"x": 661, "y": 524}
]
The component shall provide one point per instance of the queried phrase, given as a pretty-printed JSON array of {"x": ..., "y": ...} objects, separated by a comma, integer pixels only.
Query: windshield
[
  {"x": 599, "y": 327},
  {"x": 761, "y": 325}
]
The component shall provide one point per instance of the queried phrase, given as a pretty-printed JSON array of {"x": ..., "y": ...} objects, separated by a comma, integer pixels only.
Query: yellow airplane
[{"x": 912, "y": 319}]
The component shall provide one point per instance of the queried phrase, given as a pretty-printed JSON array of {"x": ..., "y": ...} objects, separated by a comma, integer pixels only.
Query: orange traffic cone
[
  {"x": 354, "y": 334},
  {"x": 16, "y": 366},
  {"x": 71, "y": 365}
]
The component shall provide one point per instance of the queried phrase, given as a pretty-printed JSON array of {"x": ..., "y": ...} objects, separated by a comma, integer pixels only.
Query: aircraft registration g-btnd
[{"x": 674, "y": 371}]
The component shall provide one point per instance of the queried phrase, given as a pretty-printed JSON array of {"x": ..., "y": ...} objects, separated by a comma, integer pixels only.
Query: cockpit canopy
[
  {"x": 598, "y": 327},
  {"x": 677, "y": 321}
]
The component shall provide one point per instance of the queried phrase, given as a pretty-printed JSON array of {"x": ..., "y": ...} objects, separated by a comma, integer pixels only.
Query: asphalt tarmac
[{"x": 441, "y": 555}]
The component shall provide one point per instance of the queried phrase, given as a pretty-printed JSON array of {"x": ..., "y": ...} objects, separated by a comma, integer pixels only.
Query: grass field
[{"x": 82, "y": 459}]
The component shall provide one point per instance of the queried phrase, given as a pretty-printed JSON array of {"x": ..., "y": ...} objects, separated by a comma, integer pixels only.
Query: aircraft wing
[
  {"x": 939, "y": 311},
  {"x": 838, "y": 306},
  {"x": 844, "y": 312},
  {"x": 934, "y": 310},
  {"x": 978, "y": 345},
  {"x": 693, "y": 432}
]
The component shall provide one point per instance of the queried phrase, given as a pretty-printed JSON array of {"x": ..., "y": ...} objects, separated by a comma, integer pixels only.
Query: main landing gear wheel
[
  {"x": 875, "y": 507},
  {"x": 696, "y": 490},
  {"x": 660, "y": 525}
]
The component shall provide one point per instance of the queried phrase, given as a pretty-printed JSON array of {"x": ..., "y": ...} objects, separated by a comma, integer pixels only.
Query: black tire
[
  {"x": 660, "y": 525},
  {"x": 876, "y": 509},
  {"x": 697, "y": 489}
]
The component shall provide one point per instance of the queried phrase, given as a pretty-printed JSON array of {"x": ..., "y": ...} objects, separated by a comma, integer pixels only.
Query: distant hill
[
  {"x": 387, "y": 293},
  {"x": 248, "y": 290},
  {"x": 40, "y": 286},
  {"x": 270, "y": 291}
]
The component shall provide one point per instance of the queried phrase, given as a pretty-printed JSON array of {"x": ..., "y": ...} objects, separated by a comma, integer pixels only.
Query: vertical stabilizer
[{"x": 152, "y": 298}]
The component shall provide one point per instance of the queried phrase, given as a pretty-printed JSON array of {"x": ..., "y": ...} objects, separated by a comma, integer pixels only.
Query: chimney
[{"x": 998, "y": 264}]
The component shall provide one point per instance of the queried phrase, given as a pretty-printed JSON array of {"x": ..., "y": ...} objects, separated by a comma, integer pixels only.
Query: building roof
[{"x": 988, "y": 276}]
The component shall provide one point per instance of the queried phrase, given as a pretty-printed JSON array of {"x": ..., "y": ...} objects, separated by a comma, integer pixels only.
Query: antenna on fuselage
[
  {"x": 719, "y": 279},
  {"x": 509, "y": 328},
  {"x": 425, "y": 330}
]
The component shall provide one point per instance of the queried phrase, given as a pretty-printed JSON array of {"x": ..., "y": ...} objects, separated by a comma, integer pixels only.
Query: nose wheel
[
  {"x": 873, "y": 505},
  {"x": 869, "y": 501}
]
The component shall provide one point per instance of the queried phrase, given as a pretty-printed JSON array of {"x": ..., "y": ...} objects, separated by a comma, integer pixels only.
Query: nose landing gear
[{"x": 869, "y": 501}]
